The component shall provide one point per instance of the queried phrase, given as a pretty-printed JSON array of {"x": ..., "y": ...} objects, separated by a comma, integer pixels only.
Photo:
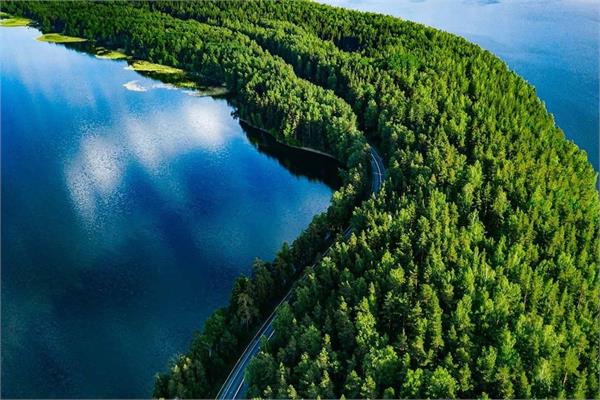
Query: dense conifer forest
[{"x": 474, "y": 272}]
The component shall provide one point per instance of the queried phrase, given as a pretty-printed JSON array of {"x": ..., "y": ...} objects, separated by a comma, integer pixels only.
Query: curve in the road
[{"x": 234, "y": 386}]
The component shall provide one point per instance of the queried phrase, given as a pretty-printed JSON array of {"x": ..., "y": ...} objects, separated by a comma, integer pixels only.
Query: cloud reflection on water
[{"x": 96, "y": 171}]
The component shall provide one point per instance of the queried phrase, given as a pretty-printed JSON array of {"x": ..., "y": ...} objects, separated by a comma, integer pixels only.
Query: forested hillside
[{"x": 473, "y": 273}]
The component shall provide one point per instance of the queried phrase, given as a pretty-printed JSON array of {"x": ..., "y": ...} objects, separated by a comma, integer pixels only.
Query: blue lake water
[
  {"x": 553, "y": 44},
  {"x": 128, "y": 209}
]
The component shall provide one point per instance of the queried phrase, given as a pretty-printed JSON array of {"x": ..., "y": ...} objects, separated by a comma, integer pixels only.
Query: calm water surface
[
  {"x": 553, "y": 44},
  {"x": 128, "y": 209}
]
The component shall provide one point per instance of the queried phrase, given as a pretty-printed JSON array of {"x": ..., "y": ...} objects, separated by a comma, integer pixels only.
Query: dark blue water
[
  {"x": 128, "y": 209},
  {"x": 553, "y": 44}
]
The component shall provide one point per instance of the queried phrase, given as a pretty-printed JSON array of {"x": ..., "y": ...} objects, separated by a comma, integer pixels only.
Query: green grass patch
[
  {"x": 145, "y": 66},
  {"x": 58, "y": 38},
  {"x": 14, "y": 21},
  {"x": 176, "y": 77},
  {"x": 186, "y": 84},
  {"x": 103, "y": 53}
]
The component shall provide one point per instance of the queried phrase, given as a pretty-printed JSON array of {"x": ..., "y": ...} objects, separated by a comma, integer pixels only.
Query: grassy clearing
[
  {"x": 177, "y": 78},
  {"x": 58, "y": 38},
  {"x": 10, "y": 22},
  {"x": 103, "y": 53},
  {"x": 186, "y": 84},
  {"x": 145, "y": 66}
]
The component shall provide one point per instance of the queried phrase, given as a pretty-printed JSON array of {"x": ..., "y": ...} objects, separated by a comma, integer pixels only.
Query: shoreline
[{"x": 251, "y": 125}]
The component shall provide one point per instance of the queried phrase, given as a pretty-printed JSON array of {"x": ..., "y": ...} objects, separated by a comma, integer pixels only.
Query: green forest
[{"x": 473, "y": 273}]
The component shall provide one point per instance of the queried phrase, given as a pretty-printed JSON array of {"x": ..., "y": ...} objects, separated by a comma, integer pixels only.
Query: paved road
[{"x": 234, "y": 386}]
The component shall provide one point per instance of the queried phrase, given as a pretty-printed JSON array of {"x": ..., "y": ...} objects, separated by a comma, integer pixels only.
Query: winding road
[{"x": 234, "y": 386}]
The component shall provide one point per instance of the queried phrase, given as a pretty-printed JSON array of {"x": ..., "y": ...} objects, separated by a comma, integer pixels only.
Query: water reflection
[
  {"x": 316, "y": 167},
  {"x": 95, "y": 173},
  {"x": 126, "y": 216}
]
